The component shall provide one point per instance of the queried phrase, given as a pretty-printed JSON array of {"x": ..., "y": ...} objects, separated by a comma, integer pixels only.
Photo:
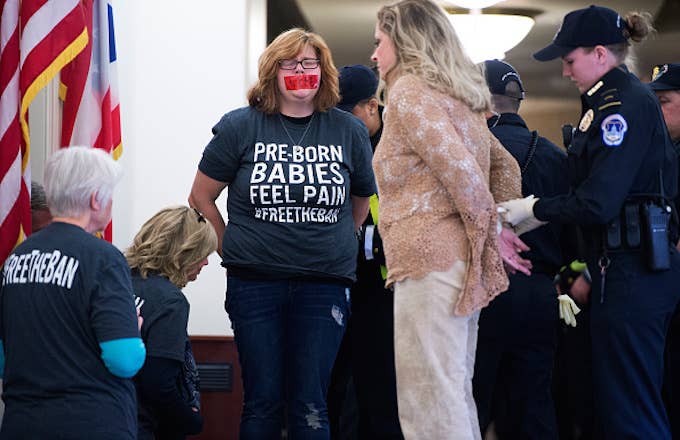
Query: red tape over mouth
[{"x": 301, "y": 82}]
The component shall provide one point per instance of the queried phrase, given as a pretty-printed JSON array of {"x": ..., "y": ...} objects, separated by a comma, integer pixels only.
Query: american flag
[
  {"x": 89, "y": 88},
  {"x": 37, "y": 39}
]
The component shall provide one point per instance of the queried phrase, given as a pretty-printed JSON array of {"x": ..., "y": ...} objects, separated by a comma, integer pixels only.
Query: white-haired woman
[
  {"x": 440, "y": 172},
  {"x": 168, "y": 252},
  {"x": 68, "y": 322}
]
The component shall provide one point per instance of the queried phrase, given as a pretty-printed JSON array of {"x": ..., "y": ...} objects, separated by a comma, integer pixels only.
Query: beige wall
[{"x": 548, "y": 115}]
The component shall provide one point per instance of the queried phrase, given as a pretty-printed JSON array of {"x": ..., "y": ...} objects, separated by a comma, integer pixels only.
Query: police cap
[
  {"x": 588, "y": 27},
  {"x": 498, "y": 75},
  {"x": 665, "y": 77},
  {"x": 357, "y": 82}
]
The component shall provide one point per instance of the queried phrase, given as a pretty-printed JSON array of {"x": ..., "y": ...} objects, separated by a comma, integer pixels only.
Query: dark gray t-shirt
[
  {"x": 289, "y": 206},
  {"x": 166, "y": 313},
  {"x": 65, "y": 291}
]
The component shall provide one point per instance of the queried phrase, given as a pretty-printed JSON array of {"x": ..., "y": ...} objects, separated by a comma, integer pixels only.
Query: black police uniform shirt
[
  {"x": 290, "y": 188},
  {"x": 544, "y": 177},
  {"x": 64, "y": 292},
  {"x": 369, "y": 275},
  {"x": 676, "y": 146},
  {"x": 618, "y": 148},
  {"x": 164, "y": 331}
]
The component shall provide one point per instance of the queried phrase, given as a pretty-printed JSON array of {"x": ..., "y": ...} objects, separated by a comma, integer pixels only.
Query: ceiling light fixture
[
  {"x": 473, "y": 4},
  {"x": 489, "y": 36}
]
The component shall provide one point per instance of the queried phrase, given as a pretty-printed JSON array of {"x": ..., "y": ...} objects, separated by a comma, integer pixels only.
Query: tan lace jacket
[{"x": 434, "y": 166}]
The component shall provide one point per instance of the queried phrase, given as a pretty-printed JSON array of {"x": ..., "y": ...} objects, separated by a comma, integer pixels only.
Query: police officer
[
  {"x": 666, "y": 86},
  {"x": 623, "y": 173},
  {"x": 368, "y": 346},
  {"x": 518, "y": 330}
]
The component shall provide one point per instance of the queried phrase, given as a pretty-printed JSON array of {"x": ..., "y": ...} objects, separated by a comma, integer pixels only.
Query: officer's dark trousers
[
  {"x": 341, "y": 398},
  {"x": 367, "y": 355},
  {"x": 373, "y": 363},
  {"x": 628, "y": 331},
  {"x": 672, "y": 375},
  {"x": 572, "y": 380},
  {"x": 515, "y": 355}
]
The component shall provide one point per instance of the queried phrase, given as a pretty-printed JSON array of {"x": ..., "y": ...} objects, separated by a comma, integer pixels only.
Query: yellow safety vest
[{"x": 373, "y": 204}]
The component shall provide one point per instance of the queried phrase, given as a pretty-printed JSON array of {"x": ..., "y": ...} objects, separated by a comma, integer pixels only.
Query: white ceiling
[{"x": 347, "y": 26}]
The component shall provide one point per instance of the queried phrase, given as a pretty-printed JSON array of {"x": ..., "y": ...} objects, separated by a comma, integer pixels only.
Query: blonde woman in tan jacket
[{"x": 440, "y": 172}]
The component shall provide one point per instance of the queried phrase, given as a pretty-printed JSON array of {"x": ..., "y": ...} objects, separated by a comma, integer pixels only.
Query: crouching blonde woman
[{"x": 168, "y": 252}]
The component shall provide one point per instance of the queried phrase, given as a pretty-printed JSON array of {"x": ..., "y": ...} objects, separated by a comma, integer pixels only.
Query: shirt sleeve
[
  {"x": 221, "y": 157},
  {"x": 112, "y": 309},
  {"x": 613, "y": 169},
  {"x": 362, "y": 182},
  {"x": 123, "y": 357},
  {"x": 167, "y": 334},
  {"x": 505, "y": 179}
]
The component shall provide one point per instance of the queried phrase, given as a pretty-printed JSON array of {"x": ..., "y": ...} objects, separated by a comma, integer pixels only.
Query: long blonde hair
[
  {"x": 427, "y": 46},
  {"x": 264, "y": 95},
  {"x": 170, "y": 242}
]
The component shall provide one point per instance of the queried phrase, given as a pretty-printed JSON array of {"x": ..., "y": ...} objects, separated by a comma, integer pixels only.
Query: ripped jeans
[{"x": 287, "y": 333}]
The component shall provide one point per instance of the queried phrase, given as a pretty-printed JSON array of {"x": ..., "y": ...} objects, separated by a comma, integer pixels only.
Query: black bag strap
[{"x": 532, "y": 151}]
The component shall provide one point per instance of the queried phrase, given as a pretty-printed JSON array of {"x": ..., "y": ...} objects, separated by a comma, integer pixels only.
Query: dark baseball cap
[
  {"x": 357, "y": 82},
  {"x": 499, "y": 74},
  {"x": 588, "y": 27},
  {"x": 665, "y": 77}
]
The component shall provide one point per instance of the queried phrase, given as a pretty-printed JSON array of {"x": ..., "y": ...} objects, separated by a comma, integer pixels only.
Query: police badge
[
  {"x": 659, "y": 71},
  {"x": 586, "y": 120},
  {"x": 613, "y": 130}
]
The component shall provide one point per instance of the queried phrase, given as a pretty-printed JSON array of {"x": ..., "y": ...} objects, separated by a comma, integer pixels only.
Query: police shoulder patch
[{"x": 614, "y": 129}]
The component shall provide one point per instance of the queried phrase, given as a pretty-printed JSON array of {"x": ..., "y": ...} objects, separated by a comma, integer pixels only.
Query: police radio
[
  {"x": 567, "y": 135},
  {"x": 655, "y": 219},
  {"x": 655, "y": 229}
]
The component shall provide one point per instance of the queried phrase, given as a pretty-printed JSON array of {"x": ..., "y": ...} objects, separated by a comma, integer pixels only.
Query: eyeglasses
[
  {"x": 199, "y": 216},
  {"x": 307, "y": 64}
]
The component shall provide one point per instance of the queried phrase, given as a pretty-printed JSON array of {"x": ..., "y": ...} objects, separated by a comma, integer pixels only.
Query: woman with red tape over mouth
[{"x": 299, "y": 177}]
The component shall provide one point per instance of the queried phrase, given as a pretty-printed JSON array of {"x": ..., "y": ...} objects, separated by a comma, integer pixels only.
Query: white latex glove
[
  {"x": 528, "y": 225},
  {"x": 518, "y": 210},
  {"x": 568, "y": 310}
]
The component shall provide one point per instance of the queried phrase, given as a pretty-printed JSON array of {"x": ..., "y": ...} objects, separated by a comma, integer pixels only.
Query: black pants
[
  {"x": 671, "y": 384},
  {"x": 628, "y": 331},
  {"x": 573, "y": 381},
  {"x": 515, "y": 355},
  {"x": 343, "y": 417},
  {"x": 368, "y": 352}
]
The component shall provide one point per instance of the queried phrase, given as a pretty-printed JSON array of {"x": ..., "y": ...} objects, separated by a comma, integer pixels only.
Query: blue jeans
[{"x": 287, "y": 333}]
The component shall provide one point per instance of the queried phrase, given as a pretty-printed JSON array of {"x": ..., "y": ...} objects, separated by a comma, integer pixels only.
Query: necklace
[{"x": 304, "y": 133}]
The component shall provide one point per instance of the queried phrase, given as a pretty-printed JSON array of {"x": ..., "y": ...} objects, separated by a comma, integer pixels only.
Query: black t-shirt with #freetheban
[
  {"x": 64, "y": 291},
  {"x": 290, "y": 188},
  {"x": 166, "y": 312},
  {"x": 164, "y": 401}
]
